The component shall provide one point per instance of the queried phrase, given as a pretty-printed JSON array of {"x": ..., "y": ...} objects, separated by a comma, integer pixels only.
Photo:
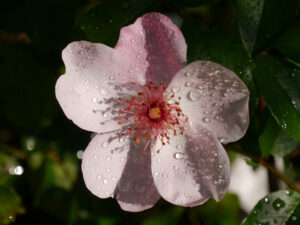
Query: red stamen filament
[{"x": 151, "y": 116}]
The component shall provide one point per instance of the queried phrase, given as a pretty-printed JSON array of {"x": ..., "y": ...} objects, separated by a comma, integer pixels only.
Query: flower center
[
  {"x": 154, "y": 113},
  {"x": 151, "y": 115}
]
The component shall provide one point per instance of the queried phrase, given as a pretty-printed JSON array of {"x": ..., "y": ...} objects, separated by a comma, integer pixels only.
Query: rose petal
[
  {"x": 192, "y": 169},
  {"x": 114, "y": 166},
  {"x": 136, "y": 190},
  {"x": 214, "y": 97},
  {"x": 103, "y": 163},
  {"x": 87, "y": 92},
  {"x": 155, "y": 46}
]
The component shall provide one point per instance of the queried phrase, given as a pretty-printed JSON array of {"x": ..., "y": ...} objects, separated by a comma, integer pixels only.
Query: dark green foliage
[
  {"x": 262, "y": 21},
  {"x": 191, "y": 3},
  {"x": 103, "y": 23},
  {"x": 258, "y": 39},
  {"x": 282, "y": 93},
  {"x": 275, "y": 208},
  {"x": 289, "y": 42}
]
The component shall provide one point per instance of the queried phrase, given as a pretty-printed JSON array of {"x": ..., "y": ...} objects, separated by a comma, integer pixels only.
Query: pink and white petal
[
  {"x": 87, "y": 92},
  {"x": 214, "y": 97},
  {"x": 103, "y": 163},
  {"x": 136, "y": 190},
  {"x": 155, "y": 46},
  {"x": 192, "y": 169},
  {"x": 114, "y": 166}
]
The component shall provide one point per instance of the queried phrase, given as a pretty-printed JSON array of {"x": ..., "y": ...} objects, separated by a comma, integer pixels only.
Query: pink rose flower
[{"x": 159, "y": 122}]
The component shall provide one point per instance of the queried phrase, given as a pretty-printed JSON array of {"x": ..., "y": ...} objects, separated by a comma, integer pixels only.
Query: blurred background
[{"x": 41, "y": 150}]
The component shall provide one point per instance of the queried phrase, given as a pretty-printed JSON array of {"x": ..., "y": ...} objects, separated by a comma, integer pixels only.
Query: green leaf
[
  {"x": 261, "y": 21},
  {"x": 279, "y": 82},
  {"x": 294, "y": 218},
  {"x": 274, "y": 141},
  {"x": 275, "y": 208},
  {"x": 191, "y": 3},
  {"x": 289, "y": 42},
  {"x": 223, "y": 48},
  {"x": 10, "y": 205},
  {"x": 103, "y": 23}
]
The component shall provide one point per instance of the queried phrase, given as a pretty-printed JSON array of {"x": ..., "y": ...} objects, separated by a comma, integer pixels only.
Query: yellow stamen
[
  {"x": 154, "y": 113},
  {"x": 137, "y": 140}
]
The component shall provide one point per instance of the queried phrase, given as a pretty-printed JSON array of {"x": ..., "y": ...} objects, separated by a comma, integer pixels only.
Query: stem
[{"x": 272, "y": 169}]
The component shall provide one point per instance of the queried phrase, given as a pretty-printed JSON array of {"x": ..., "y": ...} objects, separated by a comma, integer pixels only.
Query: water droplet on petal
[
  {"x": 179, "y": 155},
  {"x": 95, "y": 100},
  {"x": 99, "y": 176},
  {"x": 108, "y": 170},
  {"x": 188, "y": 84},
  {"x": 104, "y": 91},
  {"x": 122, "y": 139},
  {"x": 95, "y": 156},
  {"x": 179, "y": 202},
  {"x": 175, "y": 167},
  {"x": 188, "y": 74},
  {"x": 164, "y": 176},
  {"x": 175, "y": 89},
  {"x": 105, "y": 115},
  {"x": 200, "y": 87},
  {"x": 105, "y": 181},
  {"x": 156, "y": 174},
  {"x": 108, "y": 158},
  {"x": 223, "y": 139},
  {"x": 194, "y": 95},
  {"x": 179, "y": 146},
  {"x": 104, "y": 144},
  {"x": 111, "y": 77},
  {"x": 206, "y": 119}
]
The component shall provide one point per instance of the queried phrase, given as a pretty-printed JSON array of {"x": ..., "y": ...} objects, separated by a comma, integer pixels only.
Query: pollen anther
[
  {"x": 154, "y": 113},
  {"x": 150, "y": 116}
]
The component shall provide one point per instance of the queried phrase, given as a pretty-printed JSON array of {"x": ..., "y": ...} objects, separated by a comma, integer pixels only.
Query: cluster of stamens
[{"x": 152, "y": 114}]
